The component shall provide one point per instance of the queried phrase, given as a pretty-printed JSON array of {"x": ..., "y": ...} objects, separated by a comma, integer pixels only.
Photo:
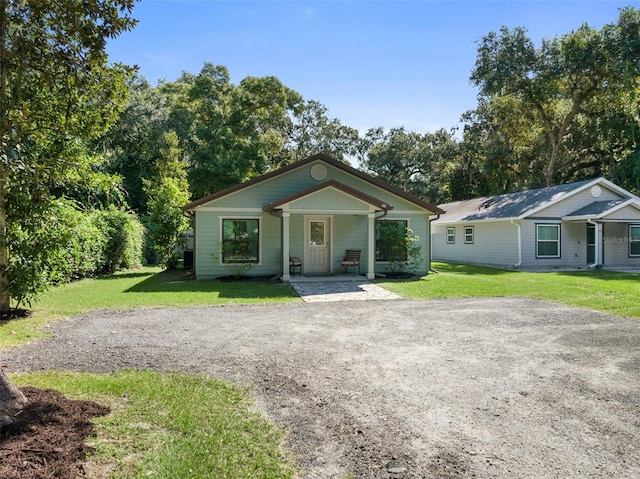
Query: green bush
[
  {"x": 71, "y": 244},
  {"x": 125, "y": 239}
]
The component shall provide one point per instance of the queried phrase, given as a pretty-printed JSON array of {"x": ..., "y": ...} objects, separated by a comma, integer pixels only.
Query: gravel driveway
[{"x": 487, "y": 388}]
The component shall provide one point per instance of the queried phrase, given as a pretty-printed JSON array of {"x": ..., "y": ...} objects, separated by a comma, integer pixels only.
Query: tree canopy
[
  {"x": 572, "y": 88},
  {"x": 58, "y": 92}
]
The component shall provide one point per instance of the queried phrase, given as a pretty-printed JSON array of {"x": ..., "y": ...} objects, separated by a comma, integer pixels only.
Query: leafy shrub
[
  {"x": 125, "y": 239},
  {"x": 71, "y": 244}
]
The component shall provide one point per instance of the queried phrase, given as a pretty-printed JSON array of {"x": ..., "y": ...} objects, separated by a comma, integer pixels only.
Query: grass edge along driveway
[
  {"x": 155, "y": 448},
  {"x": 602, "y": 290}
]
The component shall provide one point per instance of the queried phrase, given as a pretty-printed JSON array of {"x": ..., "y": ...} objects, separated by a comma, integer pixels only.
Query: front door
[
  {"x": 317, "y": 241},
  {"x": 591, "y": 244}
]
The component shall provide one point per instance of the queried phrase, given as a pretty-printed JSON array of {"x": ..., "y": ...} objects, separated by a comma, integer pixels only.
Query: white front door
[{"x": 317, "y": 244}]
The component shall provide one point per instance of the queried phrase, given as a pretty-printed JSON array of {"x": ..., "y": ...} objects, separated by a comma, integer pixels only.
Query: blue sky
[{"x": 372, "y": 63}]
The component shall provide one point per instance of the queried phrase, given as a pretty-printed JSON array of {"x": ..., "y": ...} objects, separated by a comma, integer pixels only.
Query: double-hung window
[
  {"x": 634, "y": 240},
  {"x": 240, "y": 240},
  {"x": 451, "y": 235},
  {"x": 390, "y": 240},
  {"x": 468, "y": 234},
  {"x": 547, "y": 241}
]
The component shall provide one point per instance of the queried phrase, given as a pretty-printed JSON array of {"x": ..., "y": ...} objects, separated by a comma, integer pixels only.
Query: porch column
[
  {"x": 285, "y": 246},
  {"x": 371, "y": 246}
]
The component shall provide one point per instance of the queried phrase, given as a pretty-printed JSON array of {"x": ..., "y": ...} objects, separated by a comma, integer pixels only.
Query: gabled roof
[
  {"x": 601, "y": 209},
  {"x": 519, "y": 205},
  {"x": 330, "y": 161},
  {"x": 378, "y": 204}
]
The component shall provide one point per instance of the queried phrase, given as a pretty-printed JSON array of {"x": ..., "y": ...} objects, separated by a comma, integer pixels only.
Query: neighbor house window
[
  {"x": 634, "y": 240},
  {"x": 451, "y": 235},
  {"x": 547, "y": 241},
  {"x": 390, "y": 240},
  {"x": 240, "y": 240},
  {"x": 468, "y": 234}
]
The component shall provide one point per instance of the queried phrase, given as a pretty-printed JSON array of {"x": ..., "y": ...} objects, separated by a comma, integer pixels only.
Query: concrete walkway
[{"x": 339, "y": 288}]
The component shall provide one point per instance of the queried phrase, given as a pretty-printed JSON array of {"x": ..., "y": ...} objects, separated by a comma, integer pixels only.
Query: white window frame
[
  {"x": 221, "y": 234},
  {"x": 469, "y": 235},
  {"x": 451, "y": 237},
  {"x": 634, "y": 240},
  {"x": 558, "y": 241}
]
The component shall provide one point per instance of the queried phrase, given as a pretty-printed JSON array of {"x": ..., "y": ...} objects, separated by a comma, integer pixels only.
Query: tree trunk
[
  {"x": 5, "y": 294},
  {"x": 11, "y": 399}
]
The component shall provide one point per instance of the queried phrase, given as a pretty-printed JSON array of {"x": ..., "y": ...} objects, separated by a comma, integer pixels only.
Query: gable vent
[{"x": 318, "y": 172}]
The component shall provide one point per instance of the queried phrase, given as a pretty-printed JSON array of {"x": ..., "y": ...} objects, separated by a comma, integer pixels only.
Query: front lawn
[
  {"x": 147, "y": 287},
  {"x": 168, "y": 426},
  {"x": 602, "y": 290}
]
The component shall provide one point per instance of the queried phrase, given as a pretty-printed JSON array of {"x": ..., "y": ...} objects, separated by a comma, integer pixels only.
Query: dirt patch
[{"x": 48, "y": 438}]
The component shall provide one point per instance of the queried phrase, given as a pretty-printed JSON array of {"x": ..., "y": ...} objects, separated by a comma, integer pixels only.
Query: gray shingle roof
[
  {"x": 510, "y": 205},
  {"x": 596, "y": 208}
]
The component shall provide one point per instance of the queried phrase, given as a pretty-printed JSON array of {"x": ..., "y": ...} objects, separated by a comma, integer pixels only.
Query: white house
[{"x": 587, "y": 224}]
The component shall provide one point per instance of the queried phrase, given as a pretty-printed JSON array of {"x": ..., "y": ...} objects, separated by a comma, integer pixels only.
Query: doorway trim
[{"x": 311, "y": 251}]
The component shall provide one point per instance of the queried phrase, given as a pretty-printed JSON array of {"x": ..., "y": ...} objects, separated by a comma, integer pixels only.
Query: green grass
[
  {"x": 173, "y": 425},
  {"x": 170, "y": 425},
  {"x": 146, "y": 287},
  {"x": 602, "y": 290}
]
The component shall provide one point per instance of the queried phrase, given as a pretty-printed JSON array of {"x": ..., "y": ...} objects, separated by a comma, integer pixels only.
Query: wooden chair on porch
[
  {"x": 351, "y": 260},
  {"x": 295, "y": 262}
]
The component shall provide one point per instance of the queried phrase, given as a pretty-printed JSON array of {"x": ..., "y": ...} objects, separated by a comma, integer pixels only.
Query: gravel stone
[{"x": 461, "y": 388}]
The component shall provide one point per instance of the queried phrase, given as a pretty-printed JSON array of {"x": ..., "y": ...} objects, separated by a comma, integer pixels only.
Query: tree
[
  {"x": 312, "y": 131},
  {"x": 238, "y": 129},
  {"x": 168, "y": 191},
  {"x": 558, "y": 81},
  {"x": 11, "y": 399},
  {"x": 412, "y": 161},
  {"x": 132, "y": 145},
  {"x": 57, "y": 93}
]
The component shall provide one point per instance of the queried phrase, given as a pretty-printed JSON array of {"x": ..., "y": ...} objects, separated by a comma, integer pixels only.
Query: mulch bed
[{"x": 48, "y": 438}]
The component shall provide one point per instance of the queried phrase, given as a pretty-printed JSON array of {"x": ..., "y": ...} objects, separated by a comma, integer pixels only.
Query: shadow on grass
[
  {"x": 141, "y": 274},
  {"x": 602, "y": 274},
  {"x": 178, "y": 281},
  {"x": 459, "y": 268}
]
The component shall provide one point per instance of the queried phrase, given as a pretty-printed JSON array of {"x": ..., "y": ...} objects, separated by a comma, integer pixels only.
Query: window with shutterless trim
[
  {"x": 451, "y": 235},
  {"x": 547, "y": 241},
  {"x": 634, "y": 240},
  {"x": 390, "y": 244},
  {"x": 240, "y": 240},
  {"x": 468, "y": 234}
]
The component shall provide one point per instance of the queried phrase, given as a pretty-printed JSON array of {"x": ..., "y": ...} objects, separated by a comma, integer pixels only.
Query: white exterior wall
[
  {"x": 616, "y": 246},
  {"x": 494, "y": 243},
  {"x": 573, "y": 245},
  {"x": 575, "y": 202}
]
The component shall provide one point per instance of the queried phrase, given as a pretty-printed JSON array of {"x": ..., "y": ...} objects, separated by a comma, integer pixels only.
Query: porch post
[
  {"x": 371, "y": 247},
  {"x": 285, "y": 246}
]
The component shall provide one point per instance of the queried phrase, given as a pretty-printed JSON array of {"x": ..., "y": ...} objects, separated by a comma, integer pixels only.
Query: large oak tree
[{"x": 566, "y": 78}]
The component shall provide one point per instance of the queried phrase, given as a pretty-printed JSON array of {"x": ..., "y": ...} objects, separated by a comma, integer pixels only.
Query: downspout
[
  {"x": 277, "y": 214},
  {"x": 519, "y": 225},
  {"x": 431, "y": 220},
  {"x": 596, "y": 255}
]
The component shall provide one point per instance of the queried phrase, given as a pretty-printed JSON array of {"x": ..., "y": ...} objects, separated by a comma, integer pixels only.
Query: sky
[{"x": 402, "y": 63}]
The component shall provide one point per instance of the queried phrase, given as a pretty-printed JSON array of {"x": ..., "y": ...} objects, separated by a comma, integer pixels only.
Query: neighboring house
[
  {"x": 590, "y": 223},
  {"x": 315, "y": 210}
]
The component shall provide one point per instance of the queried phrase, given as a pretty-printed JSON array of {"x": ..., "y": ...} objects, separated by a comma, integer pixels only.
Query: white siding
[
  {"x": 616, "y": 246},
  {"x": 573, "y": 245},
  {"x": 575, "y": 202},
  {"x": 494, "y": 243}
]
